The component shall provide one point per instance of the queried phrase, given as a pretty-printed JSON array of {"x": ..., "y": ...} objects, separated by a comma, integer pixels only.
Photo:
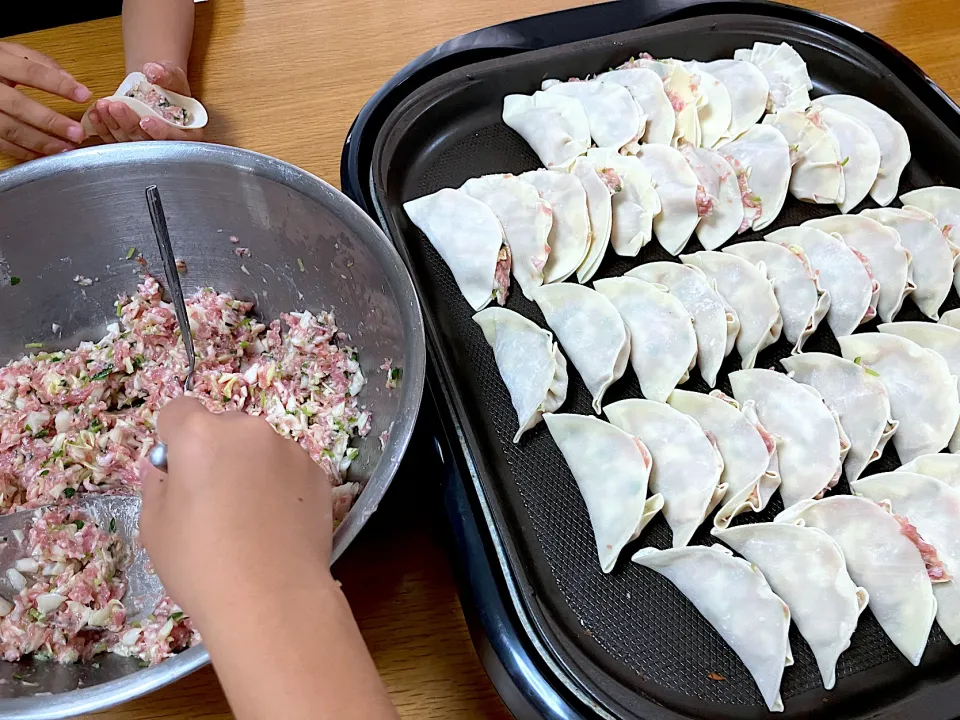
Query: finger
[
  {"x": 15, "y": 151},
  {"x": 30, "y": 54},
  {"x": 99, "y": 127},
  {"x": 153, "y": 491},
  {"x": 24, "y": 71},
  {"x": 176, "y": 417},
  {"x": 168, "y": 76},
  {"x": 103, "y": 106},
  {"x": 128, "y": 121},
  {"x": 16, "y": 104},
  {"x": 159, "y": 130},
  {"x": 19, "y": 133}
]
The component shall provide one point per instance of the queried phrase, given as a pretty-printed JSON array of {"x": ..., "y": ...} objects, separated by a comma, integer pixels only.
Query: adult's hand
[{"x": 29, "y": 129}]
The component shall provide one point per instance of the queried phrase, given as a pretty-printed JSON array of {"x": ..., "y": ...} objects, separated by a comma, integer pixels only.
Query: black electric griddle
[{"x": 627, "y": 644}]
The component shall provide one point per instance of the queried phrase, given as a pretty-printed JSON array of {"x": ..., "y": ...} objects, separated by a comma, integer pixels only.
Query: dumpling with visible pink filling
[
  {"x": 818, "y": 171},
  {"x": 678, "y": 189},
  {"x": 647, "y": 89},
  {"x": 764, "y": 155},
  {"x": 719, "y": 198}
]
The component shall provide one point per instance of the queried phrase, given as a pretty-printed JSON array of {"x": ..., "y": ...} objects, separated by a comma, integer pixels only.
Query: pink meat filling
[
  {"x": 751, "y": 202},
  {"x": 611, "y": 180},
  {"x": 501, "y": 276},
  {"x": 935, "y": 568},
  {"x": 704, "y": 202},
  {"x": 159, "y": 102}
]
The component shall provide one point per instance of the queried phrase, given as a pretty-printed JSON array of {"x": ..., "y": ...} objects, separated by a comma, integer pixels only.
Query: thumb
[{"x": 168, "y": 76}]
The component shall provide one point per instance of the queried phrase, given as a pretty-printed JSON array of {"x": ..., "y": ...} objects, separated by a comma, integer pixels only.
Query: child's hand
[
  {"x": 115, "y": 122},
  {"x": 242, "y": 512},
  {"x": 29, "y": 129}
]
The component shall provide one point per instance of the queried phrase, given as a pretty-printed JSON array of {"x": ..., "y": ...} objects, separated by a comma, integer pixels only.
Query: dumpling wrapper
[
  {"x": 934, "y": 258},
  {"x": 715, "y": 325},
  {"x": 840, "y": 271},
  {"x": 591, "y": 332},
  {"x": 803, "y": 303},
  {"x": 736, "y": 600},
  {"x": 859, "y": 150},
  {"x": 530, "y": 363},
  {"x": 683, "y": 92},
  {"x": 811, "y": 447},
  {"x": 715, "y": 114},
  {"x": 763, "y": 153},
  {"x": 569, "y": 237},
  {"x": 746, "y": 288},
  {"x": 663, "y": 345},
  {"x": 749, "y": 452},
  {"x": 647, "y": 89},
  {"x": 786, "y": 72},
  {"x": 951, "y": 318},
  {"x": 553, "y": 125},
  {"x": 923, "y": 392},
  {"x": 599, "y": 212},
  {"x": 686, "y": 463},
  {"x": 888, "y": 259},
  {"x": 469, "y": 238},
  {"x": 933, "y": 508},
  {"x": 943, "y": 467},
  {"x": 611, "y": 469},
  {"x": 615, "y": 118},
  {"x": 805, "y": 567},
  {"x": 719, "y": 181},
  {"x": 818, "y": 174},
  {"x": 891, "y": 137},
  {"x": 677, "y": 187},
  {"x": 634, "y": 207},
  {"x": 858, "y": 398},
  {"x": 196, "y": 113},
  {"x": 526, "y": 219},
  {"x": 943, "y": 203},
  {"x": 880, "y": 558},
  {"x": 747, "y": 87},
  {"x": 941, "y": 339}
]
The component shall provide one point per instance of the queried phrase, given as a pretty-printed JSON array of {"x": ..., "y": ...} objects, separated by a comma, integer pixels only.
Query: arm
[
  {"x": 240, "y": 531},
  {"x": 157, "y": 31}
]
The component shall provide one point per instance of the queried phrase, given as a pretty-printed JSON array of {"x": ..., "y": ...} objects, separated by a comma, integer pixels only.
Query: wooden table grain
[{"x": 286, "y": 78}]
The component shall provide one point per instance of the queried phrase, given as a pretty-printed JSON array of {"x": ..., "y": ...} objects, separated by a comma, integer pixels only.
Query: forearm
[
  {"x": 294, "y": 653},
  {"x": 157, "y": 31}
]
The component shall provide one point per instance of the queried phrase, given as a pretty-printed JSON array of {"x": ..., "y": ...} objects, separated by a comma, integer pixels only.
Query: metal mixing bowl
[{"x": 79, "y": 213}]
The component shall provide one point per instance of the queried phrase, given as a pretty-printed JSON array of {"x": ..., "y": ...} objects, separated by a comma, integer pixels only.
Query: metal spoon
[{"x": 158, "y": 455}]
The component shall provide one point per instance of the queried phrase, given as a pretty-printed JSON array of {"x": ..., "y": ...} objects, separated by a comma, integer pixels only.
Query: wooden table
[{"x": 286, "y": 78}]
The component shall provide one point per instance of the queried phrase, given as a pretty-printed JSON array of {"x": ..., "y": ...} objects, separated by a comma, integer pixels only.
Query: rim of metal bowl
[{"x": 129, "y": 687}]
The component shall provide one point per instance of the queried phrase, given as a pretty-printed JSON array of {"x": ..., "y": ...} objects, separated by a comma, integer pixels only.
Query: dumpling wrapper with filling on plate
[
  {"x": 634, "y": 207},
  {"x": 611, "y": 469},
  {"x": 923, "y": 392},
  {"x": 569, "y": 237},
  {"x": 859, "y": 150},
  {"x": 591, "y": 332},
  {"x": 677, "y": 187},
  {"x": 470, "y": 240},
  {"x": 598, "y": 190},
  {"x": 683, "y": 92},
  {"x": 763, "y": 153},
  {"x": 530, "y": 363},
  {"x": 748, "y": 89},
  {"x": 647, "y": 89},
  {"x": 746, "y": 288},
  {"x": 786, "y": 72},
  {"x": 553, "y": 125},
  {"x": 750, "y": 469},
  {"x": 714, "y": 115},
  {"x": 811, "y": 445},
  {"x": 616, "y": 121},
  {"x": 943, "y": 203},
  {"x": 723, "y": 205},
  {"x": 805, "y": 567},
  {"x": 686, "y": 463},
  {"x": 736, "y": 600},
  {"x": 858, "y": 398},
  {"x": 818, "y": 172},
  {"x": 881, "y": 559}
]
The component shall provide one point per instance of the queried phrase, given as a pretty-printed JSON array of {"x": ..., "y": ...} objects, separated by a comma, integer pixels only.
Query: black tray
[{"x": 629, "y": 642}]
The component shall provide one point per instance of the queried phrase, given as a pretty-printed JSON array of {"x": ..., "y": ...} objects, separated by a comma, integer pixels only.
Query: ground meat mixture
[{"x": 159, "y": 102}]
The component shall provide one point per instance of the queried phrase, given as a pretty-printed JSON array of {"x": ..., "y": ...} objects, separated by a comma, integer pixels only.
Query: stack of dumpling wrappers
[{"x": 663, "y": 149}]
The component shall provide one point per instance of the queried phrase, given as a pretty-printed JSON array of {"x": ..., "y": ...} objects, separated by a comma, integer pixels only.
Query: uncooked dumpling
[
  {"x": 647, "y": 89},
  {"x": 883, "y": 560},
  {"x": 715, "y": 113},
  {"x": 749, "y": 452},
  {"x": 615, "y": 118},
  {"x": 923, "y": 392},
  {"x": 891, "y": 137},
  {"x": 663, "y": 346},
  {"x": 720, "y": 200},
  {"x": 803, "y": 303},
  {"x": 943, "y": 203},
  {"x": 887, "y": 258},
  {"x": 843, "y": 274},
  {"x": 811, "y": 447},
  {"x": 682, "y": 89},
  {"x": 786, "y": 72},
  {"x": 747, "y": 290},
  {"x": 599, "y": 210},
  {"x": 526, "y": 219},
  {"x": 611, "y": 469},
  {"x": 554, "y": 125},
  {"x": 686, "y": 463},
  {"x": 677, "y": 187},
  {"x": 634, "y": 207},
  {"x": 590, "y": 331},
  {"x": 943, "y": 467},
  {"x": 470, "y": 240},
  {"x": 950, "y": 318},
  {"x": 858, "y": 398},
  {"x": 859, "y": 150},
  {"x": 716, "y": 325},
  {"x": 530, "y": 363},
  {"x": 805, "y": 567},
  {"x": 933, "y": 508},
  {"x": 736, "y": 600},
  {"x": 763, "y": 153},
  {"x": 817, "y": 173},
  {"x": 569, "y": 237},
  {"x": 934, "y": 258},
  {"x": 748, "y": 89}
]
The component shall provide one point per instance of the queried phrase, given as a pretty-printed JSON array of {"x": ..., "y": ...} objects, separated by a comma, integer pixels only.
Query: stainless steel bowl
[{"x": 79, "y": 213}]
